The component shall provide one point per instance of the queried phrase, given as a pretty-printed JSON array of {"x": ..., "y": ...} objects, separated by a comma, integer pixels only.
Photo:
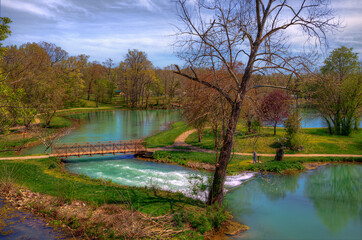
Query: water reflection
[
  {"x": 275, "y": 187},
  {"x": 18, "y": 225},
  {"x": 336, "y": 194},
  {"x": 318, "y": 204},
  {"x": 116, "y": 125}
]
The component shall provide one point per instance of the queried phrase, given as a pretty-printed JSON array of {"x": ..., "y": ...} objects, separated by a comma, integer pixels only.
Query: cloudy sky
[{"x": 108, "y": 28}]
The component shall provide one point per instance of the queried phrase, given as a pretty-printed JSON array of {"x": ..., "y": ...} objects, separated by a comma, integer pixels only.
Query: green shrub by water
[{"x": 275, "y": 166}]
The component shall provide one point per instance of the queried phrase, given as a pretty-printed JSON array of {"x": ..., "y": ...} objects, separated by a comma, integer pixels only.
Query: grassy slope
[
  {"x": 46, "y": 176},
  {"x": 166, "y": 138},
  {"x": 317, "y": 140}
]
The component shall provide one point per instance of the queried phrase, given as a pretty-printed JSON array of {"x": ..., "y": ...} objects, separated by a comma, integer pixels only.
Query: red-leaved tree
[{"x": 275, "y": 107}]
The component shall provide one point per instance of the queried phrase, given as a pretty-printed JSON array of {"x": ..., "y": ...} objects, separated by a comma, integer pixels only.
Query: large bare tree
[{"x": 225, "y": 33}]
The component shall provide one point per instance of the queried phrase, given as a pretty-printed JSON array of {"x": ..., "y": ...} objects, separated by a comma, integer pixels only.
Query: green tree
[
  {"x": 4, "y": 31},
  {"x": 338, "y": 94}
]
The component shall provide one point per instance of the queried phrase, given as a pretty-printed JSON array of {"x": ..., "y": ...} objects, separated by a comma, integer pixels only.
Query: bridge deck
[{"x": 111, "y": 147}]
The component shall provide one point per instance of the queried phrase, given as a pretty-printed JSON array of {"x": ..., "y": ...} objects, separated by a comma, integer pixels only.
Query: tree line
[{"x": 41, "y": 78}]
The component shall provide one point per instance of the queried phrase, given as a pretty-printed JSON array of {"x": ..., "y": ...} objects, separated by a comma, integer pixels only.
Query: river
[
  {"x": 324, "y": 203},
  {"x": 312, "y": 205}
]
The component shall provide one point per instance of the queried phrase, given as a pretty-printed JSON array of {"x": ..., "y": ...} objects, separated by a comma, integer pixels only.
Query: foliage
[
  {"x": 4, "y": 31},
  {"x": 338, "y": 94},
  {"x": 204, "y": 221},
  {"x": 293, "y": 127},
  {"x": 275, "y": 166},
  {"x": 275, "y": 107}
]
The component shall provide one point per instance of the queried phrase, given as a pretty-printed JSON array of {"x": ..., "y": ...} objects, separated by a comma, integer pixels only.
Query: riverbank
[{"x": 91, "y": 206}]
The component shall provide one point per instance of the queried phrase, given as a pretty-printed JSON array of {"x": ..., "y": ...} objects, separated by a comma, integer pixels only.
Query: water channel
[
  {"x": 319, "y": 204},
  {"x": 15, "y": 224}
]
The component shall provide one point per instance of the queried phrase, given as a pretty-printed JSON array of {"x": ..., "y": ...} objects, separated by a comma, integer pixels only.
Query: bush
[
  {"x": 293, "y": 125},
  {"x": 276, "y": 166},
  {"x": 204, "y": 221}
]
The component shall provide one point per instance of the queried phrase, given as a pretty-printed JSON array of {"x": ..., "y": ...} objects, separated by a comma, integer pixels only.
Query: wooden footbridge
[{"x": 99, "y": 148}]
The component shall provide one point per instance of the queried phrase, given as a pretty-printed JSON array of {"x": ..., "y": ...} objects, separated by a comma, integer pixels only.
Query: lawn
[
  {"x": 166, "y": 138},
  {"x": 316, "y": 140}
]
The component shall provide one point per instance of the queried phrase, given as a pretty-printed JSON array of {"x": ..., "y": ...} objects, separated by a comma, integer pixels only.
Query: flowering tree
[{"x": 275, "y": 107}]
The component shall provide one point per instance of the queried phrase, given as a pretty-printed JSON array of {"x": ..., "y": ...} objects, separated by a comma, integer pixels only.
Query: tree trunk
[
  {"x": 215, "y": 130},
  {"x": 217, "y": 191},
  {"x": 275, "y": 129}
]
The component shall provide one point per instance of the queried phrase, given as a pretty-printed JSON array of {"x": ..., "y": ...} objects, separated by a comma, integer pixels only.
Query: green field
[{"x": 316, "y": 140}]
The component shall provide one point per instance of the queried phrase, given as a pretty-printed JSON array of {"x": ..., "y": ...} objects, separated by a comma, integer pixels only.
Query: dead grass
[{"x": 91, "y": 222}]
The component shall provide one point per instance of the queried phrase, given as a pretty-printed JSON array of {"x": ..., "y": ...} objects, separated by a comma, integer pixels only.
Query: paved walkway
[{"x": 180, "y": 145}]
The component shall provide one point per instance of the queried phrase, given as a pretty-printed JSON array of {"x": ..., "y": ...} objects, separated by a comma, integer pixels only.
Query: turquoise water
[
  {"x": 126, "y": 170},
  {"x": 116, "y": 125},
  {"x": 319, "y": 204}
]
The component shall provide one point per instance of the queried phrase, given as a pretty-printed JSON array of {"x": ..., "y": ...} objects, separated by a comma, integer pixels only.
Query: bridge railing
[{"x": 110, "y": 147}]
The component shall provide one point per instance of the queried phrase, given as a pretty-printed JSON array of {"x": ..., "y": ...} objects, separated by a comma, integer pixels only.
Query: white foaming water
[
  {"x": 172, "y": 178},
  {"x": 233, "y": 181}
]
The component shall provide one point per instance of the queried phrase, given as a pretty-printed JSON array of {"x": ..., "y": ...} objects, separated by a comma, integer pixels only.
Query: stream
[{"x": 319, "y": 204}]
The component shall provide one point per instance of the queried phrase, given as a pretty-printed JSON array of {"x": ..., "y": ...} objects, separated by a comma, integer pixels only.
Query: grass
[
  {"x": 166, "y": 138},
  {"x": 317, "y": 140},
  {"x": 239, "y": 163},
  {"x": 13, "y": 142},
  {"x": 60, "y": 122},
  {"x": 48, "y": 177}
]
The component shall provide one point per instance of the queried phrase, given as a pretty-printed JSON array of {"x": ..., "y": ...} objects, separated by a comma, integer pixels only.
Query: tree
[
  {"x": 223, "y": 33},
  {"x": 275, "y": 107},
  {"x": 136, "y": 75},
  {"x": 4, "y": 31},
  {"x": 293, "y": 127},
  {"x": 56, "y": 54},
  {"x": 338, "y": 95},
  {"x": 47, "y": 136}
]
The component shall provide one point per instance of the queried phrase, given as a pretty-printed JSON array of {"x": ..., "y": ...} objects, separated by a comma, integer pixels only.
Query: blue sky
[{"x": 108, "y": 28}]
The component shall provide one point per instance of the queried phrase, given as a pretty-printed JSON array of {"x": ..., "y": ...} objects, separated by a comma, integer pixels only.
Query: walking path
[
  {"x": 180, "y": 142},
  {"x": 181, "y": 145}
]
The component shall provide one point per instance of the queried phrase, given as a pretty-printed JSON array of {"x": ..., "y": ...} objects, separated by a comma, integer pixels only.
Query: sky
[{"x": 106, "y": 29}]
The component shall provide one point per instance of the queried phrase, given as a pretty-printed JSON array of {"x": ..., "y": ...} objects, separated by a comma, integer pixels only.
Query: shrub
[{"x": 293, "y": 124}]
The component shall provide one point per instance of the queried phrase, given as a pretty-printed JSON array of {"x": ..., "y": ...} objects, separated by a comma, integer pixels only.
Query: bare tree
[
  {"x": 47, "y": 136},
  {"x": 224, "y": 33}
]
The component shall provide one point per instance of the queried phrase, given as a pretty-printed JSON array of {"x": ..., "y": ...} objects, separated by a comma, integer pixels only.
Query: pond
[
  {"x": 318, "y": 204},
  {"x": 116, "y": 125}
]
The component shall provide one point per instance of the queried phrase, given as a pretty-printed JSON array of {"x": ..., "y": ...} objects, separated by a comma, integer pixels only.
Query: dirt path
[{"x": 25, "y": 157}]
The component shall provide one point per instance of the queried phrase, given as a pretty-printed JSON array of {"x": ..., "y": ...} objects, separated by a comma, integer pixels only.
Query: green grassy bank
[
  {"x": 187, "y": 217},
  {"x": 239, "y": 163},
  {"x": 166, "y": 138},
  {"x": 315, "y": 140}
]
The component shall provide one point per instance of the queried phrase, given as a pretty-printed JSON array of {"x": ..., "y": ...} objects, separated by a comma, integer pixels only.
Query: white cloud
[
  {"x": 27, "y": 7},
  {"x": 149, "y": 5},
  {"x": 43, "y": 8}
]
